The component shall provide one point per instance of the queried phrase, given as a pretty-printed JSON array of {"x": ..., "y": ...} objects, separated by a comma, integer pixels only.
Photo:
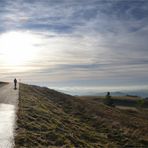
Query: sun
[{"x": 18, "y": 48}]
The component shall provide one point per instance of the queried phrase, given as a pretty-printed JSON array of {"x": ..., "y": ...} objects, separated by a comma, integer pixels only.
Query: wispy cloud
[{"x": 83, "y": 41}]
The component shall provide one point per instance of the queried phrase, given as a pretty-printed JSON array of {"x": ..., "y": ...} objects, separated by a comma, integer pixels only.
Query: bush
[{"x": 140, "y": 103}]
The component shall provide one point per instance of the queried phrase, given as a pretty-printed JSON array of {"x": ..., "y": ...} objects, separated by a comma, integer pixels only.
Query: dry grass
[
  {"x": 47, "y": 118},
  {"x": 3, "y": 83}
]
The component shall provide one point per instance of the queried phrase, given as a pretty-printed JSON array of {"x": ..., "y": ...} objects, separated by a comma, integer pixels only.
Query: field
[
  {"x": 119, "y": 101},
  {"x": 47, "y": 118}
]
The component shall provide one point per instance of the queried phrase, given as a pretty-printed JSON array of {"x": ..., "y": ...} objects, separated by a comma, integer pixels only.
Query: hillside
[
  {"x": 3, "y": 83},
  {"x": 47, "y": 118},
  {"x": 126, "y": 101}
]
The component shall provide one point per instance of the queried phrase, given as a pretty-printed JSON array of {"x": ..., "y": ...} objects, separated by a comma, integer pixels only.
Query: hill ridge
[{"x": 48, "y": 118}]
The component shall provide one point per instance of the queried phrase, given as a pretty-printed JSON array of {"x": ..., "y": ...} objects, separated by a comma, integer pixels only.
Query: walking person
[{"x": 15, "y": 83}]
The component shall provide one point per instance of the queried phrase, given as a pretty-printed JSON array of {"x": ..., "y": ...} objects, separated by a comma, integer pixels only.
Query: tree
[{"x": 108, "y": 100}]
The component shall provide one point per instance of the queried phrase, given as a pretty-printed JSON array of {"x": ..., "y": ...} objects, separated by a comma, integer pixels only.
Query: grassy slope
[
  {"x": 3, "y": 83},
  {"x": 47, "y": 118}
]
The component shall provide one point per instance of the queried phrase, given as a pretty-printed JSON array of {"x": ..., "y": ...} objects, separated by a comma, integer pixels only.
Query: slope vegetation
[
  {"x": 47, "y": 118},
  {"x": 3, "y": 83}
]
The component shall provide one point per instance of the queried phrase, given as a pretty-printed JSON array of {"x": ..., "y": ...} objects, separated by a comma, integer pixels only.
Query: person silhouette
[{"x": 15, "y": 83}]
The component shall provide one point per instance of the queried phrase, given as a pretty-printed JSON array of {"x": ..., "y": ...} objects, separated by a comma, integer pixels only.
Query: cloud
[{"x": 88, "y": 41}]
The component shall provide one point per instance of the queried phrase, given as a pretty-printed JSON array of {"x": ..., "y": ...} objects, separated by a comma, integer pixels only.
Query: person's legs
[{"x": 15, "y": 85}]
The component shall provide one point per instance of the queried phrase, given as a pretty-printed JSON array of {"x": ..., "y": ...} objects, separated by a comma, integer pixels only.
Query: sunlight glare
[{"x": 18, "y": 48}]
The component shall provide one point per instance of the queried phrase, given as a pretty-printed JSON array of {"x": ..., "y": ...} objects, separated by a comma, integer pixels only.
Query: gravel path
[{"x": 8, "y": 107}]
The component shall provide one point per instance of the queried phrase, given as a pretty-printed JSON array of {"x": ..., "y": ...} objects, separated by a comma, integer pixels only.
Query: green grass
[{"x": 47, "y": 118}]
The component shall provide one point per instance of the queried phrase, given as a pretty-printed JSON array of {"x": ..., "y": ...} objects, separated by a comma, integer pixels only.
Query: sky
[{"x": 75, "y": 45}]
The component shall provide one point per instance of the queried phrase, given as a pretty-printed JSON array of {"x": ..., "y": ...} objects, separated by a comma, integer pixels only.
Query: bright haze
[{"x": 75, "y": 45}]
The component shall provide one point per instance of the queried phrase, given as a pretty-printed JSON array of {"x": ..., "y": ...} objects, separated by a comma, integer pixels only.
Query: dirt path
[{"x": 8, "y": 106}]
